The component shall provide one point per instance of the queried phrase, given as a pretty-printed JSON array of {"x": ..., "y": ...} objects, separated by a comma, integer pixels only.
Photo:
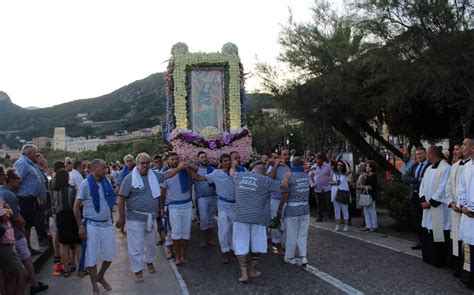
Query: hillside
[
  {"x": 141, "y": 104},
  {"x": 8, "y": 108}
]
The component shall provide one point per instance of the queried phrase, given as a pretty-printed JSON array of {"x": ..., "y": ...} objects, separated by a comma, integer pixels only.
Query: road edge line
[
  {"x": 182, "y": 284},
  {"x": 332, "y": 280},
  {"x": 363, "y": 240}
]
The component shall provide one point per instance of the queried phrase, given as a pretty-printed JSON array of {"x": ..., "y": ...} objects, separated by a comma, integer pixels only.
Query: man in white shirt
[{"x": 75, "y": 175}]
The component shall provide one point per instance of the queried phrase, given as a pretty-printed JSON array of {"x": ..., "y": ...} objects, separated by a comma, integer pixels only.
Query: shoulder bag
[
  {"x": 365, "y": 199},
  {"x": 342, "y": 196}
]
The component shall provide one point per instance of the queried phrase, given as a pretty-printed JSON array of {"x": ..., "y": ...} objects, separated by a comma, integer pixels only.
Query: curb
[{"x": 41, "y": 259}]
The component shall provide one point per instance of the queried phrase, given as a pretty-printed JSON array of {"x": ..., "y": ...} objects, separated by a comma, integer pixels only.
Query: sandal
[
  {"x": 65, "y": 273},
  {"x": 151, "y": 268},
  {"x": 139, "y": 277}
]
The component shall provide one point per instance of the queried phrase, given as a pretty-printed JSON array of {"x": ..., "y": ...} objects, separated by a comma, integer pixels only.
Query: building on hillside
[
  {"x": 135, "y": 135},
  {"x": 42, "y": 142},
  {"x": 59, "y": 139},
  {"x": 82, "y": 115},
  {"x": 81, "y": 144},
  {"x": 6, "y": 151},
  {"x": 101, "y": 123}
]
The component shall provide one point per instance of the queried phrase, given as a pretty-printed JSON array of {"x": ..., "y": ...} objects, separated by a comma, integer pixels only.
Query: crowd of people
[
  {"x": 253, "y": 206},
  {"x": 443, "y": 206}
]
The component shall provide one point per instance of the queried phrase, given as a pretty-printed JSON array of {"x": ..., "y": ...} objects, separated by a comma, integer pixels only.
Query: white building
[
  {"x": 81, "y": 144},
  {"x": 6, "y": 151}
]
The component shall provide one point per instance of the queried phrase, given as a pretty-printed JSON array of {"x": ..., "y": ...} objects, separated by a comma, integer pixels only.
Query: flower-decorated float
[{"x": 206, "y": 103}]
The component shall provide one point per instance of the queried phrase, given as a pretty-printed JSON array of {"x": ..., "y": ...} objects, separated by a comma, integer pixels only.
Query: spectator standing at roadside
[
  {"x": 372, "y": 187},
  {"x": 63, "y": 197},
  {"x": 319, "y": 178},
  {"x": 31, "y": 189},
  {"x": 75, "y": 175},
  {"x": 339, "y": 183},
  {"x": 40, "y": 215},
  {"x": 21, "y": 246},
  {"x": 10, "y": 263},
  {"x": 414, "y": 177},
  {"x": 361, "y": 171}
]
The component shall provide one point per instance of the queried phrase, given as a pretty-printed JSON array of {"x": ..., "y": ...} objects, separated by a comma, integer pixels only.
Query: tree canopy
[{"x": 406, "y": 64}]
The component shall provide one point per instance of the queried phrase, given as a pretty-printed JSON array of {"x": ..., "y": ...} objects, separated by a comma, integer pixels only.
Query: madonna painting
[{"x": 207, "y": 99}]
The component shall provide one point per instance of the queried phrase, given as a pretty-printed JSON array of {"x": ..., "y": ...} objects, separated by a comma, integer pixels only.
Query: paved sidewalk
[
  {"x": 375, "y": 238},
  {"x": 119, "y": 276}
]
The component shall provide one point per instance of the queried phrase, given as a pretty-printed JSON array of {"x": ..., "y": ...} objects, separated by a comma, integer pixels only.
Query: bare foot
[
  {"x": 244, "y": 279},
  {"x": 254, "y": 274},
  {"x": 104, "y": 284},
  {"x": 280, "y": 251}
]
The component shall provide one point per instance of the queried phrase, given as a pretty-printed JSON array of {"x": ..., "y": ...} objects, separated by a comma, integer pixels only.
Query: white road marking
[
  {"x": 332, "y": 280},
  {"x": 366, "y": 241},
  {"x": 179, "y": 278}
]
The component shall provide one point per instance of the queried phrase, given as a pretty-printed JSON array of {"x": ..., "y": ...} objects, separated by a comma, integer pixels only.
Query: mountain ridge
[{"x": 141, "y": 104}]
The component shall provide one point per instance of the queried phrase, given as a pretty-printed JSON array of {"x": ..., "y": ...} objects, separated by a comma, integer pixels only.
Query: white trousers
[
  {"x": 100, "y": 242},
  {"x": 207, "y": 212},
  {"x": 225, "y": 221},
  {"x": 296, "y": 235},
  {"x": 168, "y": 239},
  {"x": 370, "y": 216},
  {"x": 180, "y": 221},
  {"x": 141, "y": 244},
  {"x": 276, "y": 233},
  {"x": 338, "y": 207},
  {"x": 249, "y": 237}
]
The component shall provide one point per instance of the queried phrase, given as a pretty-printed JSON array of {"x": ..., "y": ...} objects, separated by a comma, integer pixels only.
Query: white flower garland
[{"x": 181, "y": 61}]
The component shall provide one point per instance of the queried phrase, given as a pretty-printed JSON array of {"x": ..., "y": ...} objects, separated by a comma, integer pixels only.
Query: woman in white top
[{"x": 339, "y": 183}]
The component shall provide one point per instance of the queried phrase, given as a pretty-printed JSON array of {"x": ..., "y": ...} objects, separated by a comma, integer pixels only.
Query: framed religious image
[
  {"x": 206, "y": 99},
  {"x": 205, "y": 92},
  {"x": 206, "y": 104}
]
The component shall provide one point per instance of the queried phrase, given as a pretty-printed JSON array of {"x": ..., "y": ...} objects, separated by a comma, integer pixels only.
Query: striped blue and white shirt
[
  {"x": 174, "y": 193},
  {"x": 252, "y": 190},
  {"x": 225, "y": 189},
  {"x": 203, "y": 188},
  {"x": 138, "y": 201},
  {"x": 279, "y": 175},
  {"x": 299, "y": 193}
]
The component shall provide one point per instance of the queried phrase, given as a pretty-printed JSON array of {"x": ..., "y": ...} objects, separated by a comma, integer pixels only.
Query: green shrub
[{"x": 395, "y": 194}]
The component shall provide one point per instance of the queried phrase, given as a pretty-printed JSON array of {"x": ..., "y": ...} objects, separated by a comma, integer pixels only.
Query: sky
[{"x": 52, "y": 52}]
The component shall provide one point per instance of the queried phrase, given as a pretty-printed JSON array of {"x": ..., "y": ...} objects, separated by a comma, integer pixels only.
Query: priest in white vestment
[
  {"x": 436, "y": 221},
  {"x": 466, "y": 226},
  {"x": 464, "y": 155}
]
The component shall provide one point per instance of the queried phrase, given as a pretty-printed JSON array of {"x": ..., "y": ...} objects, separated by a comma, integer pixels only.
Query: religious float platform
[{"x": 205, "y": 101}]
